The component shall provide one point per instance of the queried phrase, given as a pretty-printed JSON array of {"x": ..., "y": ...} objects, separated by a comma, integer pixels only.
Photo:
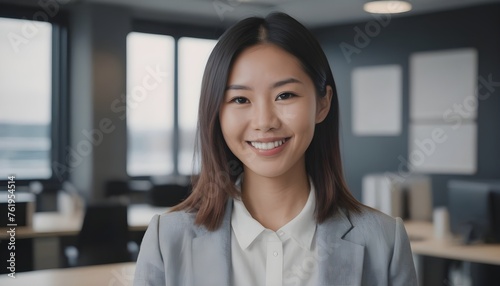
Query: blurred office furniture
[
  {"x": 117, "y": 190},
  {"x": 168, "y": 191},
  {"x": 422, "y": 239},
  {"x": 427, "y": 248},
  {"x": 475, "y": 217},
  {"x": 69, "y": 200},
  {"x": 46, "y": 240},
  {"x": 46, "y": 193},
  {"x": 103, "y": 238},
  {"x": 14, "y": 215},
  {"x": 57, "y": 224},
  {"x": 22, "y": 208},
  {"x": 167, "y": 195},
  {"x": 119, "y": 274},
  {"x": 424, "y": 242},
  {"x": 475, "y": 210},
  {"x": 408, "y": 196}
]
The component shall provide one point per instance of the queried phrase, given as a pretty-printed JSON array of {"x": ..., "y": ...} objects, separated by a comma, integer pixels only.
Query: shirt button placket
[{"x": 274, "y": 262}]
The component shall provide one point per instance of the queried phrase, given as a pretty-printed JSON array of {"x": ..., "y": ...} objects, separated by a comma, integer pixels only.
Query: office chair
[
  {"x": 167, "y": 195},
  {"x": 103, "y": 238},
  {"x": 117, "y": 190}
]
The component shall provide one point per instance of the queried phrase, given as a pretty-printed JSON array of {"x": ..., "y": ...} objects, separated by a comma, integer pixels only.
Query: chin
[{"x": 268, "y": 170}]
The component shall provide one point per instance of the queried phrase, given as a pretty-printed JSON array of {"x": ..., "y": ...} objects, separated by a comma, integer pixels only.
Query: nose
[{"x": 265, "y": 117}]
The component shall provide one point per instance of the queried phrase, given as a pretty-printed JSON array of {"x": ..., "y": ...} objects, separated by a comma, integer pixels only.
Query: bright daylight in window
[
  {"x": 150, "y": 104},
  {"x": 150, "y": 117},
  {"x": 193, "y": 56},
  {"x": 25, "y": 96}
]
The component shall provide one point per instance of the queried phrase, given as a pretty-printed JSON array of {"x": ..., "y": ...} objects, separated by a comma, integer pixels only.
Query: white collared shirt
[{"x": 261, "y": 256}]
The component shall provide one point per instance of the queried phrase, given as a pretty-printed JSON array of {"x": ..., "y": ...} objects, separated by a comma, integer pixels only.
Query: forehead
[{"x": 265, "y": 62}]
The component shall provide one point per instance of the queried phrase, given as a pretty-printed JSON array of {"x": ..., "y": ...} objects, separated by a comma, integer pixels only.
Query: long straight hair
[{"x": 219, "y": 166}]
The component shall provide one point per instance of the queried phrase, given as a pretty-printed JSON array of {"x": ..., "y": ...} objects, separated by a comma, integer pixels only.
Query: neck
[{"x": 275, "y": 201}]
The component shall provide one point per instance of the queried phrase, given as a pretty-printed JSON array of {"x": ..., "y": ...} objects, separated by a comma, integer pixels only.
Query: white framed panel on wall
[
  {"x": 443, "y": 111},
  {"x": 443, "y": 148},
  {"x": 440, "y": 80},
  {"x": 376, "y": 100}
]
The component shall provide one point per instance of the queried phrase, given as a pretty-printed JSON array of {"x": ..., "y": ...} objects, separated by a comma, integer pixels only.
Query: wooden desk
[
  {"x": 55, "y": 224},
  {"x": 120, "y": 274},
  {"x": 423, "y": 242}
]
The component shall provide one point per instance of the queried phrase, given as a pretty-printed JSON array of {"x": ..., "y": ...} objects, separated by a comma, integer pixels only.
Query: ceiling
[{"x": 312, "y": 13}]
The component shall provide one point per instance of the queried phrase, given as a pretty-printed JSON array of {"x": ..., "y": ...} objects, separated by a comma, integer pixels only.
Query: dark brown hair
[{"x": 219, "y": 167}]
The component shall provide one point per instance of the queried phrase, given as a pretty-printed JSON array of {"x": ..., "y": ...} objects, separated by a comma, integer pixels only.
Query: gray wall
[
  {"x": 98, "y": 144},
  {"x": 392, "y": 43}
]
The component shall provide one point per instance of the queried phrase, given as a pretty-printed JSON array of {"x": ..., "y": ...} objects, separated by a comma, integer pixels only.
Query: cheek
[
  {"x": 300, "y": 117},
  {"x": 230, "y": 124}
]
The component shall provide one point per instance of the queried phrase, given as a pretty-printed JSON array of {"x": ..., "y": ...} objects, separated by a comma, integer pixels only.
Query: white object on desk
[
  {"x": 441, "y": 221},
  {"x": 392, "y": 193},
  {"x": 383, "y": 193}
]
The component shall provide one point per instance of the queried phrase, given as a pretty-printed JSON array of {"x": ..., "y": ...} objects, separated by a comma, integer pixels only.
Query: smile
[{"x": 268, "y": 145}]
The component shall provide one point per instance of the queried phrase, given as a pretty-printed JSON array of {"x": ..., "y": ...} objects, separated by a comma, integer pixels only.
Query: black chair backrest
[
  {"x": 104, "y": 224},
  {"x": 167, "y": 195},
  {"x": 116, "y": 188}
]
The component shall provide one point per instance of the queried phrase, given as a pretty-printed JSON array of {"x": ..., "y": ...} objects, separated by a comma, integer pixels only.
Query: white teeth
[{"x": 267, "y": 145}]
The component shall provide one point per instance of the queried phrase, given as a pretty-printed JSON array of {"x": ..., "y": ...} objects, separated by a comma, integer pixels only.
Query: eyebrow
[{"x": 275, "y": 85}]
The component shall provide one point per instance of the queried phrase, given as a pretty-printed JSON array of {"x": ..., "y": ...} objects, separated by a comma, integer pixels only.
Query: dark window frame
[
  {"x": 177, "y": 31},
  {"x": 59, "y": 127}
]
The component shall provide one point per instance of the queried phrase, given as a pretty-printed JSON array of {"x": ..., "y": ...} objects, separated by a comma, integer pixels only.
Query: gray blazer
[{"x": 370, "y": 248}]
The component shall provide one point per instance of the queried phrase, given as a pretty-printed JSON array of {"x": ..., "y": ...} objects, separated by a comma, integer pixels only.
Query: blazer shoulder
[
  {"x": 178, "y": 221},
  {"x": 373, "y": 223},
  {"x": 369, "y": 215},
  {"x": 177, "y": 217}
]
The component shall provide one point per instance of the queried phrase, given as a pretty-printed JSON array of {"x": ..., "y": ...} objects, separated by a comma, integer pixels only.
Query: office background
[{"x": 88, "y": 139}]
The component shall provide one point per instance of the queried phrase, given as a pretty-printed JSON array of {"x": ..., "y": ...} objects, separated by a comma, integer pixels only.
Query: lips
[{"x": 267, "y": 145}]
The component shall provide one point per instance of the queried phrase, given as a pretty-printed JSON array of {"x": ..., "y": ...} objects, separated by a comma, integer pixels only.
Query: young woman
[{"x": 270, "y": 205}]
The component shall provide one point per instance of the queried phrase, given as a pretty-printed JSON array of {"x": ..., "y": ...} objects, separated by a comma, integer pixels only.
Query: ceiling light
[{"x": 387, "y": 7}]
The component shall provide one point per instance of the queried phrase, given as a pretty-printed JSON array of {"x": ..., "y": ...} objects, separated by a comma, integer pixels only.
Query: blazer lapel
[
  {"x": 341, "y": 261},
  {"x": 211, "y": 254}
]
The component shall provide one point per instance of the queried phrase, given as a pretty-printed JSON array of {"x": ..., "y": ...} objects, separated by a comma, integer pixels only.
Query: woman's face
[{"x": 269, "y": 111}]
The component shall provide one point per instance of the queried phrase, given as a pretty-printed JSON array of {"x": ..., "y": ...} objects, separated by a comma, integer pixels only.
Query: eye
[
  {"x": 239, "y": 100},
  {"x": 285, "y": 95}
]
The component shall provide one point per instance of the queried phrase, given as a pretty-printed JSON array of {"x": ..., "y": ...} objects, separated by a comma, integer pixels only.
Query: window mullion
[{"x": 176, "y": 132}]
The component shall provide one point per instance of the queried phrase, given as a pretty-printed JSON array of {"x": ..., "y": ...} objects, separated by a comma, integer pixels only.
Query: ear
[{"x": 323, "y": 105}]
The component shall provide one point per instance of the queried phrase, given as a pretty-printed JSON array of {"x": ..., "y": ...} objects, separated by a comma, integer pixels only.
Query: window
[
  {"x": 26, "y": 96},
  {"x": 150, "y": 104},
  {"x": 162, "y": 124},
  {"x": 193, "y": 56}
]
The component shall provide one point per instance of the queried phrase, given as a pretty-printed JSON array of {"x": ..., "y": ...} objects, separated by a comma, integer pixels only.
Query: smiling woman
[
  {"x": 270, "y": 110},
  {"x": 270, "y": 205}
]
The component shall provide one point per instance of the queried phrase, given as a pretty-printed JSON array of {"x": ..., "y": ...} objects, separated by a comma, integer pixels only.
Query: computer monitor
[{"x": 474, "y": 208}]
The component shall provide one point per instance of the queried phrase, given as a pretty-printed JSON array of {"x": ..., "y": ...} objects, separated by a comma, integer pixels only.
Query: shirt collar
[{"x": 301, "y": 228}]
